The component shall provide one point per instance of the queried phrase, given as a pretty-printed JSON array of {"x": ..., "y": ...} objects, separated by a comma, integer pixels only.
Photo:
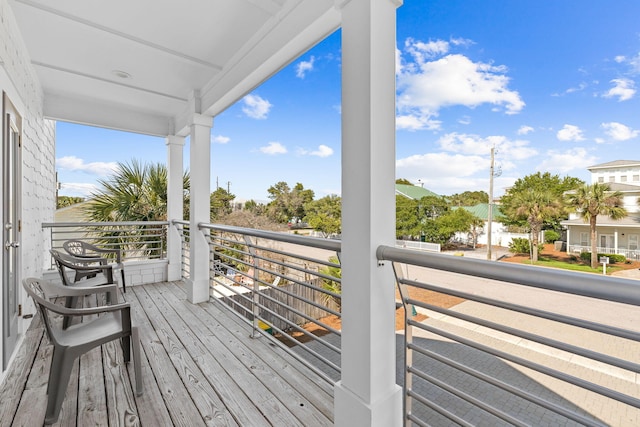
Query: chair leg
[
  {"x": 59, "y": 374},
  {"x": 124, "y": 285},
  {"x": 70, "y": 302},
  {"x": 126, "y": 348},
  {"x": 137, "y": 367}
]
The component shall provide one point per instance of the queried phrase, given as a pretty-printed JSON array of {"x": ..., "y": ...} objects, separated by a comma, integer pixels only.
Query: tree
[
  {"x": 403, "y": 181},
  {"x": 332, "y": 286},
  {"x": 220, "y": 203},
  {"x": 325, "y": 215},
  {"x": 64, "y": 201},
  {"x": 593, "y": 200},
  {"x": 406, "y": 217},
  {"x": 535, "y": 206},
  {"x": 544, "y": 182},
  {"x": 287, "y": 203},
  {"x": 135, "y": 192},
  {"x": 468, "y": 198}
]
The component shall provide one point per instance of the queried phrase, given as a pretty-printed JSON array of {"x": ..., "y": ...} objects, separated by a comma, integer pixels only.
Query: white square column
[
  {"x": 175, "y": 201},
  {"x": 197, "y": 285},
  {"x": 367, "y": 394}
]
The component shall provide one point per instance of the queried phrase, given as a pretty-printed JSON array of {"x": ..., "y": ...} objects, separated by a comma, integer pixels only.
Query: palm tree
[
  {"x": 535, "y": 206},
  {"x": 593, "y": 200},
  {"x": 135, "y": 192}
]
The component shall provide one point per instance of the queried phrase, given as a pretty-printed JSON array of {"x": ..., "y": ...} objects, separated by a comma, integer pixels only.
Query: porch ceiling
[{"x": 213, "y": 50}]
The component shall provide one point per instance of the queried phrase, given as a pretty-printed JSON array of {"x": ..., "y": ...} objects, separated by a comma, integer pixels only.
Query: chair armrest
[
  {"x": 59, "y": 309},
  {"x": 117, "y": 252},
  {"x": 77, "y": 291},
  {"x": 92, "y": 267}
]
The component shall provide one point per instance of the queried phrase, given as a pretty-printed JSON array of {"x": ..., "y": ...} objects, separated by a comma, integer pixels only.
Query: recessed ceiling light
[{"x": 121, "y": 74}]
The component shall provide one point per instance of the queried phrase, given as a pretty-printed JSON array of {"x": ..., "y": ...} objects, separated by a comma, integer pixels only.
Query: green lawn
[{"x": 575, "y": 266}]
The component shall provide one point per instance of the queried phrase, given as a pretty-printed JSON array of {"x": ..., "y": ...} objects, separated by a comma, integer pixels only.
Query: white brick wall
[{"x": 19, "y": 81}]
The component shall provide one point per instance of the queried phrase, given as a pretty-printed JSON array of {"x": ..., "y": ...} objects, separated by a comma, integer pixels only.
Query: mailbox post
[{"x": 604, "y": 260}]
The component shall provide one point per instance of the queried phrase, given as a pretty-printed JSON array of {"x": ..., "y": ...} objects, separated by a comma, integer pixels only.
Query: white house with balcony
[
  {"x": 613, "y": 236},
  {"x": 168, "y": 69}
]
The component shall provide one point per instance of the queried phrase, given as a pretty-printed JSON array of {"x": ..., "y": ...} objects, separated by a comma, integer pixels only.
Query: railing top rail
[
  {"x": 179, "y": 221},
  {"x": 101, "y": 224},
  {"x": 315, "y": 242},
  {"x": 590, "y": 285}
]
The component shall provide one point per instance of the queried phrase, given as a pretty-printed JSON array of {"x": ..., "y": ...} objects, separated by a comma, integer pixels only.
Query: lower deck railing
[
  {"x": 136, "y": 239},
  {"x": 287, "y": 286},
  {"x": 488, "y": 342}
]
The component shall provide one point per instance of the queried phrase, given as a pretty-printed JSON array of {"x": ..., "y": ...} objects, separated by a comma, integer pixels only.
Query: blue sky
[{"x": 551, "y": 84}]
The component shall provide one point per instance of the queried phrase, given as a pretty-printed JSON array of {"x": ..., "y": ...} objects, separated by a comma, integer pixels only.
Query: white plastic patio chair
[
  {"x": 113, "y": 322},
  {"x": 82, "y": 249}
]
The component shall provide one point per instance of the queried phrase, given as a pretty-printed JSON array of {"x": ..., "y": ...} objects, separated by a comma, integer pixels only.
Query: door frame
[{"x": 11, "y": 167}]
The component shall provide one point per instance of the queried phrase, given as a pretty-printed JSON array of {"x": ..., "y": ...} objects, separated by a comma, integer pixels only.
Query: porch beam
[
  {"x": 200, "y": 163},
  {"x": 175, "y": 200},
  {"x": 367, "y": 394}
]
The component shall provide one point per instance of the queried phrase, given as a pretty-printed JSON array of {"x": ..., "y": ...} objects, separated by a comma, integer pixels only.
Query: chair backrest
[
  {"x": 65, "y": 261},
  {"x": 76, "y": 247},
  {"x": 80, "y": 248},
  {"x": 40, "y": 290}
]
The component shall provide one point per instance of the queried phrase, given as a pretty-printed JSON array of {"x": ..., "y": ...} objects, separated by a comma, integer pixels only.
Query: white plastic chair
[
  {"x": 113, "y": 322},
  {"x": 93, "y": 254}
]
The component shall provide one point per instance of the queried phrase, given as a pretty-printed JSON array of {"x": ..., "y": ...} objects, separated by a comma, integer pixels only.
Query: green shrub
[
  {"x": 520, "y": 245},
  {"x": 613, "y": 258},
  {"x": 551, "y": 236}
]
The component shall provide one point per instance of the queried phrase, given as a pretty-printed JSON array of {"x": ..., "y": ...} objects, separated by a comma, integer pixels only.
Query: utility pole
[{"x": 490, "y": 214}]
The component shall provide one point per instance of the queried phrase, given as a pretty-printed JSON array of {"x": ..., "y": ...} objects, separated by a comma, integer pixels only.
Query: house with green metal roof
[{"x": 413, "y": 192}]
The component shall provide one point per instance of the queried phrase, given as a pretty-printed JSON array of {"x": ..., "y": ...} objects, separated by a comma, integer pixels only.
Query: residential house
[
  {"x": 168, "y": 70},
  {"x": 613, "y": 236}
]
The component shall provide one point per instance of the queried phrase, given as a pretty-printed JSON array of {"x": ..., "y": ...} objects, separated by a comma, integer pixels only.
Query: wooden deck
[{"x": 199, "y": 367}]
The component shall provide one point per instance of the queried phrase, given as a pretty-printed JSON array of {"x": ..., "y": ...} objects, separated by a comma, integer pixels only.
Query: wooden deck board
[
  {"x": 273, "y": 373},
  {"x": 205, "y": 352},
  {"x": 224, "y": 367},
  {"x": 199, "y": 367}
]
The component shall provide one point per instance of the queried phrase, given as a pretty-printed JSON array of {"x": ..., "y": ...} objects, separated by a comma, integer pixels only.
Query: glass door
[{"x": 11, "y": 174}]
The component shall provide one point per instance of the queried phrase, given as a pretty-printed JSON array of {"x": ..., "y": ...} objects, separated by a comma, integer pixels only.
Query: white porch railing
[
  {"x": 475, "y": 361},
  {"x": 286, "y": 286},
  {"x": 507, "y": 361},
  {"x": 137, "y": 240},
  {"x": 633, "y": 254}
]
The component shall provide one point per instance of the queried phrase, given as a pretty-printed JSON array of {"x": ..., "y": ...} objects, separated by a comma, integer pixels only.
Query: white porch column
[
  {"x": 200, "y": 164},
  {"x": 367, "y": 394},
  {"x": 175, "y": 200},
  {"x": 615, "y": 241}
]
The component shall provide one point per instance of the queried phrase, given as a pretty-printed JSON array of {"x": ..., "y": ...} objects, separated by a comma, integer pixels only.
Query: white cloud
[
  {"x": 219, "y": 139},
  {"x": 570, "y": 133},
  {"x": 620, "y": 59},
  {"x": 623, "y": 89},
  {"x": 304, "y": 66},
  {"x": 507, "y": 149},
  {"x": 322, "y": 151},
  {"x": 441, "y": 165},
  {"x": 618, "y": 131},
  {"x": 273, "y": 148},
  {"x": 421, "y": 50},
  {"x": 464, "y": 120},
  {"x": 425, "y": 85},
  {"x": 256, "y": 107},
  {"x": 566, "y": 161},
  {"x": 525, "y": 130},
  {"x": 417, "y": 122},
  {"x": 77, "y": 189},
  {"x": 73, "y": 163}
]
